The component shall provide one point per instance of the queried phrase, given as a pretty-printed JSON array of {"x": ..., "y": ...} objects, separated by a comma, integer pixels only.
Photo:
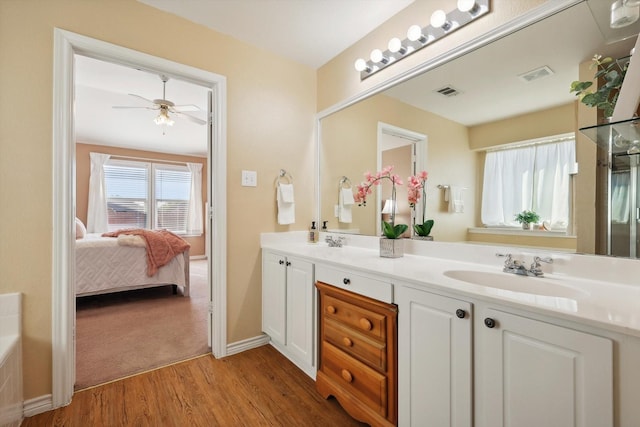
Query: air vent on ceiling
[
  {"x": 536, "y": 74},
  {"x": 448, "y": 91}
]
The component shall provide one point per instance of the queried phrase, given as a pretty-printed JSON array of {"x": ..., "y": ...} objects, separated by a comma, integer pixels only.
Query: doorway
[{"x": 66, "y": 45}]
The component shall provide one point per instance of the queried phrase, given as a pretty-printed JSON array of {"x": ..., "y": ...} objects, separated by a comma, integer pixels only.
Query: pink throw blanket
[{"x": 162, "y": 246}]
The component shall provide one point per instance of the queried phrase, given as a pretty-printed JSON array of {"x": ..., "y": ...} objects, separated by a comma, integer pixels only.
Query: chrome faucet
[
  {"x": 517, "y": 267},
  {"x": 334, "y": 242}
]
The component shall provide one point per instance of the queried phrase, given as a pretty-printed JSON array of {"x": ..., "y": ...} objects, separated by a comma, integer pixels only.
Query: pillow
[{"x": 81, "y": 230}]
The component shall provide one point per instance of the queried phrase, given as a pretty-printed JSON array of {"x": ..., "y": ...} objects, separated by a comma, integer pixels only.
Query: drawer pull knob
[
  {"x": 460, "y": 313},
  {"x": 281, "y": 262},
  {"x": 346, "y": 375},
  {"x": 331, "y": 309},
  {"x": 346, "y": 281},
  {"x": 366, "y": 324},
  {"x": 489, "y": 322},
  {"x": 347, "y": 341}
]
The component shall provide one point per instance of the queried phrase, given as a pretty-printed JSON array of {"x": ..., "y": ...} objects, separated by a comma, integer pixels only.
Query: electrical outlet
[{"x": 249, "y": 178}]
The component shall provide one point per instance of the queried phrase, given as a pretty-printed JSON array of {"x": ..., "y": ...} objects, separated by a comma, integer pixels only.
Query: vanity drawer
[
  {"x": 367, "y": 350},
  {"x": 365, "y": 384},
  {"x": 359, "y": 284},
  {"x": 359, "y": 318}
]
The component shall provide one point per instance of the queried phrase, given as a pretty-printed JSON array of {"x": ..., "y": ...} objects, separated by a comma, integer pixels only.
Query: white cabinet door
[
  {"x": 537, "y": 374},
  {"x": 300, "y": 312},
  {"x": 274, "y": 296},
  {"x": 434, "y": 359}
]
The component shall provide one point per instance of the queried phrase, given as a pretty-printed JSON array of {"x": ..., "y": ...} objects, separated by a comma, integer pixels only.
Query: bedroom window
[
  {"x": 530, "y": 177},
  {"x": 147, "y": 195}
]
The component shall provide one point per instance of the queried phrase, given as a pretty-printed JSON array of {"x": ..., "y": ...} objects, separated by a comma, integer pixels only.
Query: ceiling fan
[{"x": 164, "y": 107}]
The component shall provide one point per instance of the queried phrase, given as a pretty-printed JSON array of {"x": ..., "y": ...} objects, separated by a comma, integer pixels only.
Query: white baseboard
[
  {"x": 38, "y": 405},
  {"x": 248, "y": 344}
]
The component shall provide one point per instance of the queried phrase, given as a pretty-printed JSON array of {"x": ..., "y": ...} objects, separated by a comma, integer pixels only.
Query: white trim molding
[
  {"x": 66, "y": 45},
  {"x": 248, "y": 344}
]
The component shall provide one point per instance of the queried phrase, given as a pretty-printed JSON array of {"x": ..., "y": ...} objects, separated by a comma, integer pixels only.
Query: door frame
[{"x": 66, "y": 45}]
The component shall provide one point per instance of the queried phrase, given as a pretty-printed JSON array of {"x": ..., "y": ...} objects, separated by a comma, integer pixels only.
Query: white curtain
[
  {"x": 528, "y": 178},
  {"x": 97, "y": 219},
  {"x": 507, "y": 186},
  {"x": 194, "y": 215},
  {"x": 620, "y": 197}
]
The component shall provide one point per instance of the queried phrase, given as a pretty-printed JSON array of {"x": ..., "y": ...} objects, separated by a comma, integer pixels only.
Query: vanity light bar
[{"x": 417, "y": 38}]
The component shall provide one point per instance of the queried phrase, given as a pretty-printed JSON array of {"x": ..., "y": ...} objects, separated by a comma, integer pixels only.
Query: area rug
[{"x": 125, "y": 333}]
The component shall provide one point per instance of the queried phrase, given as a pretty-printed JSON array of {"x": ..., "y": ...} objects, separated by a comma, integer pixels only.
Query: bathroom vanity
[{"x": 477, "y": 346}]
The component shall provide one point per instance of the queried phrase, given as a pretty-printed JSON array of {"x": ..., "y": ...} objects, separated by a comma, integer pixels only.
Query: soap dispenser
[
  {"x": 324, "y": 226},
  {"x": 313, "y": 233}
]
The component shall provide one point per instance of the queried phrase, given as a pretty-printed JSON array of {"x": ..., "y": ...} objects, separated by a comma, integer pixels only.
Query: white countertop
[{"x": 586, "y": 296}]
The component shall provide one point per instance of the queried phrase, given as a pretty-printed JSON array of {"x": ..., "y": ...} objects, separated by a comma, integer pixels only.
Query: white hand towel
[
  {"x": 456, "y": 199},
  {"x": 286, "y": 210},
  {"x": 346, "y": 201}
]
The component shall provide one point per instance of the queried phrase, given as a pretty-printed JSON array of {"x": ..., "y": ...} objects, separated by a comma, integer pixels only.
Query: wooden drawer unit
[{"x": 358, "y": 354}]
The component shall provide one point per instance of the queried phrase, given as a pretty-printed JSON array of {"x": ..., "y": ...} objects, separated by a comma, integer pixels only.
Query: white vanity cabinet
[
  {"x": 288, "y": 308},
  {"x": 532, "y": 373},
  {"x": 462, "y": 363},
  {"x": 435, "y": 359}
]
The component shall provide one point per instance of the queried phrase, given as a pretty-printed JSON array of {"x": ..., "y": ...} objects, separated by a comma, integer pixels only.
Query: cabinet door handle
[
  {"x": 366, "y": 324},
  {"x": 288, "y": 263},
  {"x": 331, "y": 309},
  {"x": 489, "y": 322},
  {"x": 346, "y": 281},
  {"x": 281, "y": 262},
  {"x": 347, "y": 341},
  {"x": 461, "y": 313},
  {"x": 347, "y": 376}
]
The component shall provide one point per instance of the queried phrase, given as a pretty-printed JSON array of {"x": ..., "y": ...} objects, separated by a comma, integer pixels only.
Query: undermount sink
[{"x": 550, "y": 287}]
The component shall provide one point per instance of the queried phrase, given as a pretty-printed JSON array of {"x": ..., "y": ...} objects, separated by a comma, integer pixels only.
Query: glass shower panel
[{"x": 624, "y": 211}]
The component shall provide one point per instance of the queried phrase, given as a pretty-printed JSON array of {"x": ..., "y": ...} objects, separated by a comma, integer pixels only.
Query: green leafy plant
[
  {"x": 389, "y": 229},
  {"x": 423, "y": 229},
  {"x": 528, "y": 217},
  {"x": 606, "y": 95}
]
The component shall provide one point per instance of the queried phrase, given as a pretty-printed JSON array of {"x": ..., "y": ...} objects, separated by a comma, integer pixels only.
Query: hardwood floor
[{"x": 259, "y": 387}]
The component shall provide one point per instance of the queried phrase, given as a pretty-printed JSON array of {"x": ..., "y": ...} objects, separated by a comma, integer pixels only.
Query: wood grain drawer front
[
  {"x": 367, "y": 385},
  {"x": 370, "y": 351},
  {"x": 359, "y": 318},
  {"x": 362, "y": 285}
]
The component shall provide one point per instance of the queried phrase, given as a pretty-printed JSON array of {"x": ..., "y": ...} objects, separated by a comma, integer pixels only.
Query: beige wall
[
  {"x": 83, "y": 171},
  {"x": 349, "y": 149},
  {"x": 338, "y": 79},
  {"x": 270, "y": 109}
]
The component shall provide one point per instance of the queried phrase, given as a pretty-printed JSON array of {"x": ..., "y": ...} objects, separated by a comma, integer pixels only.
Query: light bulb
[
  {"x": 415, "y": 33},
  {"x": 468, "y": 5},
  {"x": 438, "y": 19},
  {"x": 378, "y": 56},
  {"x": 395, "y": 45},
  {"x": 361, "y": 65}
]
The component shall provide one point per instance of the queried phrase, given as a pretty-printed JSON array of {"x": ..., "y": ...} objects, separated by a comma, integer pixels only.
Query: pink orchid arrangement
[
  {"x": 389, "y": 229},
  {"x": 417, "y": 188}
]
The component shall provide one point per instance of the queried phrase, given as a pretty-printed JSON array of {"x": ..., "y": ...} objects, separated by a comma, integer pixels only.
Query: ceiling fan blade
[
  {"x": 192, "y": 118},
  {"x": 183, "y": 108},
  {"x": 129, "y": 107}
]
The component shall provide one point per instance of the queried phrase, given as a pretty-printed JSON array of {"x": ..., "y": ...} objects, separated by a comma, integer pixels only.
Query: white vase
[
  {"x": 430, "y": 238},
  {"x": 391, "y": 248},
  {"x": 526, "y": 225}
]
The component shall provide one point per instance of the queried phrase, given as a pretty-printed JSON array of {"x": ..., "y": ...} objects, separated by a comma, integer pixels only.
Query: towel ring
[{"x": 286, "y": 175}]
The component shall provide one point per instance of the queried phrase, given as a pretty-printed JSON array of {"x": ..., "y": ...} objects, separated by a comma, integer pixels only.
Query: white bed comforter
[{"x": 103, "y": 266}]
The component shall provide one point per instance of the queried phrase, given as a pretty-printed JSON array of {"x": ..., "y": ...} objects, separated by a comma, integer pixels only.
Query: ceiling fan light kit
[
  {"x": 164, "y": 107},
  {"x": 441, "y": 24}
]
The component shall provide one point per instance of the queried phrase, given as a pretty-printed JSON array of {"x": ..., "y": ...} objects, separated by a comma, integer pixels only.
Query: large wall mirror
[{"x": 511, "y": 90}]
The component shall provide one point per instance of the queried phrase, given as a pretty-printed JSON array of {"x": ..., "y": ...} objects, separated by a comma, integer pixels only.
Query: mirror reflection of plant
[
  {"x": 606, "y": 95},
  {"x": 389, "y": 229},
  {"x": 417, "y": 188}
]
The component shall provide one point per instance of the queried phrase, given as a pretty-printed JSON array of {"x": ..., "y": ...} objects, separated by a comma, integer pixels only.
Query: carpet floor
[{"x": 125, "y": 333}]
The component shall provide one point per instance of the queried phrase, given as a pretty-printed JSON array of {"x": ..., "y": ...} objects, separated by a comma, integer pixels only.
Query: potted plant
[
  {"x": 605, "y": 96},
  {"x": 417, "y": 188},
  {"x": 527, "y": 218},
  {"x": 390, "y": 244}
]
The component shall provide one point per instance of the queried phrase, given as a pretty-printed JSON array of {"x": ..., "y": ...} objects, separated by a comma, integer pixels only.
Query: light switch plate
[{"x": 249, "y": 178}]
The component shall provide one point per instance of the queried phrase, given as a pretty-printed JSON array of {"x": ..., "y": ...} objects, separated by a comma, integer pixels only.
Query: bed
[{"x": 104, "y": 266}]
